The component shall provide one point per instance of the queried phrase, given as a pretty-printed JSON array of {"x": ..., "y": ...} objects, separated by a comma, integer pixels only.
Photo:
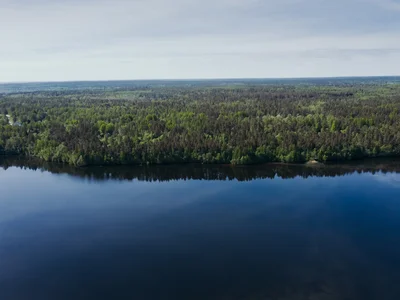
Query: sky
[{"x": 63, "y": 40}]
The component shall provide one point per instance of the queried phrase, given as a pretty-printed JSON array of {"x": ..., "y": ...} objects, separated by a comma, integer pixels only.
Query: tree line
[{"x": 243, "y": 124}]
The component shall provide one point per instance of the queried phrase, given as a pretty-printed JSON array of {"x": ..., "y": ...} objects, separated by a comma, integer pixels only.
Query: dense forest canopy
[{"x": 238, "y": 122}]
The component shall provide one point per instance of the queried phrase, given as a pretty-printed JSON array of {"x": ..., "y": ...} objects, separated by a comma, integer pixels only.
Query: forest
[{"x": 231, "y": 123}]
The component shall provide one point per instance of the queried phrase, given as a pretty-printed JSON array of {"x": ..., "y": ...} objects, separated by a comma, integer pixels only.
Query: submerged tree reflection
[{"x": 205, "y": 172}]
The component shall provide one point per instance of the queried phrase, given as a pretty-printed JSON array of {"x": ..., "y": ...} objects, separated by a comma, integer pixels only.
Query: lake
[{"x": 200, "y": 232}]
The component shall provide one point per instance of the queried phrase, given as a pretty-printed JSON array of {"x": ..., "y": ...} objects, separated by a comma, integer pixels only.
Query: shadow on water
[{"x": 206, "y": 172}]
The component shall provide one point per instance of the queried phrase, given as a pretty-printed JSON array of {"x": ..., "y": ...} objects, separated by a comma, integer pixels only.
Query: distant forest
[{"x": 224, "y": 122}]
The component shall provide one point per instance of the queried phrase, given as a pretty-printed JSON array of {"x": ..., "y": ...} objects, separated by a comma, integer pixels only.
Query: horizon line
[{"x": 200, "y": 79}]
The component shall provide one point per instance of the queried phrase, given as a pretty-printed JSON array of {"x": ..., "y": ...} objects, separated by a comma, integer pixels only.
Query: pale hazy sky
[{"x": 53, "y": 40}]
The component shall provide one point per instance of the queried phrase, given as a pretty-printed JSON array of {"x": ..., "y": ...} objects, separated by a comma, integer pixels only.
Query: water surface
[{"x": 197, "y": 232}]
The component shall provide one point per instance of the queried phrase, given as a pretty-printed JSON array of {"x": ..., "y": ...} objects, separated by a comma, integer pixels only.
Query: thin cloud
[{"x": 72, "y": 40}]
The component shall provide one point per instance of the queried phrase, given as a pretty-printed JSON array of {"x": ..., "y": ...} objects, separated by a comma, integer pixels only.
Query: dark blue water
[{"x": 121, "y": 233}]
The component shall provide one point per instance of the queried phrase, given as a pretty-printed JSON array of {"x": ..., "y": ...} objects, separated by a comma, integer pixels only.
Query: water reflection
[
  {"x": 327, "y": 237},
  {"x": 208, "y": 172}
]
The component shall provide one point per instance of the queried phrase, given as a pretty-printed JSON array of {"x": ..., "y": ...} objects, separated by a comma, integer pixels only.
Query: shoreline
[
  {"x": 195, "y": 171},
  {"x": 312, "y": 163}
]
